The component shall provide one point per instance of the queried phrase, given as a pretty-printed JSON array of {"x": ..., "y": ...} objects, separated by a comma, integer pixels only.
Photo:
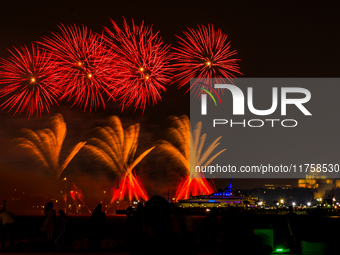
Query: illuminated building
[
  {"x": 319, "y": 183},
  {"x": 275, "y": 186}
]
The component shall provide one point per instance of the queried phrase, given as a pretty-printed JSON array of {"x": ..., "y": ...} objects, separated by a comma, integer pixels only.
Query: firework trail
[
  {"x": 77, "y": 193},
  {"x": 181, "y": 137},
  {"x": 86, "y": 68},
  {"x": 143, "y": 64},
  {"x": 204, "y": 53},
  {"x": 45, "y": 145},
  {"x": 28, "y": 82},
  {"x": 116, "y": 149}
]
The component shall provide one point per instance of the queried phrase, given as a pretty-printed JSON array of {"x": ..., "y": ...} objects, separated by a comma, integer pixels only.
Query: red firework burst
[
  {"x": 193, "y": 187},
  {"x": 85, "y": 66},
  {"x": 143, "y": 63},
  {"x": 129, "y": 186},
  {"x": 29, "y": 81},
  {"x": 204, "y": 53}
]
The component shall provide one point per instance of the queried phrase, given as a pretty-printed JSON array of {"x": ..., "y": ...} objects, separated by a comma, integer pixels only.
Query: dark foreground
[{"x": 200, "y": 234}]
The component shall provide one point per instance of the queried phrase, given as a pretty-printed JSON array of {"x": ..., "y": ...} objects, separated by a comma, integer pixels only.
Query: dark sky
[{"x": 273, "y": 39}]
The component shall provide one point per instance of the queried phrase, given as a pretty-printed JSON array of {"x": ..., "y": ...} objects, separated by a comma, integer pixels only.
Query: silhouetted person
[
  {"x": 294, "y": 244},
  {"x": 236, "y": 233},
  {"x": 160, "y": 237},
  {"x": 238, "y": 236},
  {"x": 136, "y": 231},
  {"x": 209, "y": 234},
  {"x": 7, "y": 225},
  {"x": 138, "y": 218},
  {"x": 49, "y": 222},
  {"x": 129, "y": 212},
  {"x": 178, "y": 221},
  {"x": 98, "y": 221},
  {"x": 66, "y": 236}
]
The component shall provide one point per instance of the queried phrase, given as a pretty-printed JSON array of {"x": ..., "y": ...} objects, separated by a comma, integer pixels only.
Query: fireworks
[
  {"x": 182, "y": 136},
  {"x": 45, "y": 145},
  {"x": 116, "y": 148},
  {"x": 29, "y": 81},
  {"x": 86, "y": 69},
  {"x": 77, "y": 193},
  {"x": 130, "y": 65},
  {"x": 143, "y": 63},
  {"x": 204, "y": 53}
]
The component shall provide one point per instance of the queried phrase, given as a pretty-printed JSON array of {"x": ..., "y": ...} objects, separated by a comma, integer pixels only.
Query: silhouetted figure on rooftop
[
  {"x": 98, "y": 221},
  {"x": 7, "y": 227}
]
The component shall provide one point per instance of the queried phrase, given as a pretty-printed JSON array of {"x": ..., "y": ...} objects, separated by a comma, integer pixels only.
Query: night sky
[{"x": 286, "y": 39}]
